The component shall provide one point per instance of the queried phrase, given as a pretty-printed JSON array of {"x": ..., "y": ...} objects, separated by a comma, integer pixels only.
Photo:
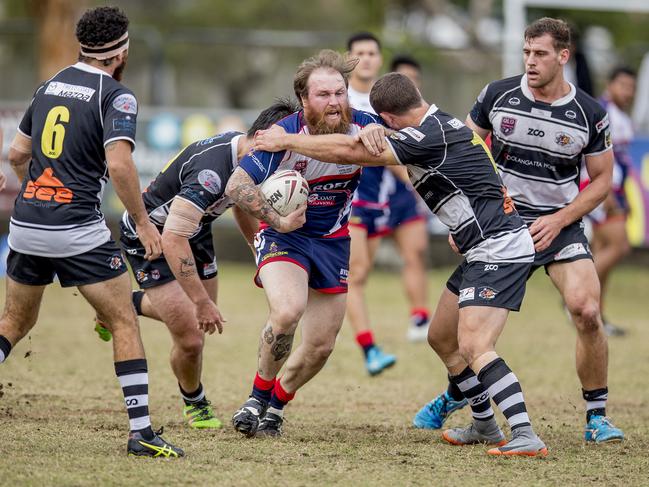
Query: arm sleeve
[
  {"x": 481, "y": 108},
  {"x": 120, "y": 115},
  {"x": 600, "y": 134}
]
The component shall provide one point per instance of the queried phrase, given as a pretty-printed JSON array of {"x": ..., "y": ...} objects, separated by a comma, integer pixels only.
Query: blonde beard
[{"x": 318, "y": 125}]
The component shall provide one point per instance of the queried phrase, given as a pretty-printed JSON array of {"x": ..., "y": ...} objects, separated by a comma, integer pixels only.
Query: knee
[
  {"x": 320, "y": 352},
  {"x": 286, "y": 316},
  {"x": 358, "y": 273},
  {"x": 440, "y": 340},
  {"x": 586, "y": 315},
  {"x": 414, "y": 256},
  {"x": 191, "y": 345}
]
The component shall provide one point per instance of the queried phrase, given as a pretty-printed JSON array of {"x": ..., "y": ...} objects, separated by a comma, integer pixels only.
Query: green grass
[{"x": 62, "y": 421}]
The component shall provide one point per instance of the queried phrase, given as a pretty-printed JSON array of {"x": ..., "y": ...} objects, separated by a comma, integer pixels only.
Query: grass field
[{"x": 62, "y": 421}]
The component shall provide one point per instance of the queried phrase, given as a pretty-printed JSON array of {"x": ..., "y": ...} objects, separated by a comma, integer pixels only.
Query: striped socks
[
  {"x": 595, "y": 402},
  {"x": 505, "y": 390},
  {"x": 475, "y": 393},
  {"x": 134, "y": 379},
  {"x": 5, "y": 348}
]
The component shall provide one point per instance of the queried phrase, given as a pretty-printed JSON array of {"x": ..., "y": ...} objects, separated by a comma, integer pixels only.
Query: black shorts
[
  {"x": 152, "y": 273},
  {"x": 97, "y": 265},
  {"x": 570, "y": 245},
  {"x": 483, "y": 284}
]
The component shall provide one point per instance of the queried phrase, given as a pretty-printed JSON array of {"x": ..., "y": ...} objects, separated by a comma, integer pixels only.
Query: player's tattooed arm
[
  {"x": 187, "y": 267},
  {"x": 247, "y": 196}
]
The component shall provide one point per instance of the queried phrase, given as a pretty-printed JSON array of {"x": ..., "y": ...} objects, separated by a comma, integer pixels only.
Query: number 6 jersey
[{"x": 70, "y": 120}]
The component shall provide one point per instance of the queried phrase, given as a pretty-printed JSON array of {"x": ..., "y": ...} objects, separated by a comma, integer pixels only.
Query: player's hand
[
  {"x": 151, "y": 240},
  {"x": 3, "y": 180},
  {"x": 209, "y": 317},
  {"x": 270, "y": 140},
  {"x": 373, "y": 138},
  {"x": 451, "y": 242},
  {"x": 293, "y": 220},
  {"x": 544, "y": 230}
]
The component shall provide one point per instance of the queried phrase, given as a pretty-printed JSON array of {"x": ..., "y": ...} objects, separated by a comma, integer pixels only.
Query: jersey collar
[
  {"x": 557, "y": 103},
  {"x": 432, "y": 109},
  {"x": 234, "y": 146},
  {"x": 89, "y": 69}
]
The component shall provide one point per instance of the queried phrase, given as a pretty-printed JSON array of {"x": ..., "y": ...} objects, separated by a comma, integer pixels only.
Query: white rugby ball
[{"x": 285, "y": 191}]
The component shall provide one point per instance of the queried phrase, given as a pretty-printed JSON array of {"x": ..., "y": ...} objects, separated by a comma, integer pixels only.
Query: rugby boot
[
  {"x": 477, "y": 432},
  {"x": 433, "y": 414},
  {"x": 523, "y": 443},
  {"x": 600, "y": 430},
  {"x": 377, "y": 360},
  {"x": 201, "y": 415},
  {"x": 270, "y": 425},
  {"x": 246, "y": 419},
  {"x": 157, "y": 447}
]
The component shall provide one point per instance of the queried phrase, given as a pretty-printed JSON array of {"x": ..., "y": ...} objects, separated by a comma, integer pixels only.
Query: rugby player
[
  {"x": 78, "y": 129},
  {"x": 384, "y": 204},
  {"x": 541, "y": 128},
  {"x": 180, "y": 287},
  {"x": 610, "y": 242},
  {"x": 451, "y": 168},
  {"x": 303, "y": 273}
]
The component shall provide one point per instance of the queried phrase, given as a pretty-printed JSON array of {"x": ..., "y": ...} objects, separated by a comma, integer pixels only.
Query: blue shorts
[
  {"x": 402, "y": 208},
  {"x": 325, "y": 260}
]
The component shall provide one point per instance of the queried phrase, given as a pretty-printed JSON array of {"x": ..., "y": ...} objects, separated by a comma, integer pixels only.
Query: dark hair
[
  {"x": 404, "y": 59},
  {"x": 101, "y": 25},
  {"x": 325, "y": 59},
  {"x": 620, "y": 70},
  {"x": 394, "y": 93},
  {"x": 362, "y": 36},
  {"x": 557, "y": 29},
  {"x": 282, "y": 108}
]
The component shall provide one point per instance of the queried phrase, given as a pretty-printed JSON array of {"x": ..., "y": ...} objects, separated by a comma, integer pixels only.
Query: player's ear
[{"x": 564, "y": 55}]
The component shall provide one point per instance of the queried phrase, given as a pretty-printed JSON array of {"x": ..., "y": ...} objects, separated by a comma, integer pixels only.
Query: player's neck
[
  {"x": 110, "y": 69},
  {"x": 361, "y": 85},
  {"x": 553, "y": 91}
]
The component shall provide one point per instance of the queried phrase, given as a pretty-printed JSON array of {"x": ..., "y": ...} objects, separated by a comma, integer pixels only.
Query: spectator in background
[
  {"x": 610, "y": 243},
  {"x": 408, "y": 66}
]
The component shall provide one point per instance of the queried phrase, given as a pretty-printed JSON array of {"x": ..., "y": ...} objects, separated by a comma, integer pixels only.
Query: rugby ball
[{"x": 285, "y": 191}]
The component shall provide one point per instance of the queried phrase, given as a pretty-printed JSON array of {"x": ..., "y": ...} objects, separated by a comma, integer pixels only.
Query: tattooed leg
[
  {"x": 274, "y": 349},
  {"x": 320, "y": 325}
]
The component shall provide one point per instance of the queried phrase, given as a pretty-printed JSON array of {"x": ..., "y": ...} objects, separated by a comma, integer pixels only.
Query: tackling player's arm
[
  {"x": 247, "y": 196},
  {"x": 600, "y": 169},
  {"x": 333, "y": 148},
  {"x": 181, "y": 223},
  {"x": 127, "y": 186},
  {"x": 20, "y": 154}
]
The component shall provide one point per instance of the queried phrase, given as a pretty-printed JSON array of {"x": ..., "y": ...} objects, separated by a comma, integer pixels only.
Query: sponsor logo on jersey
[
  {"x": 125, "y": 103},
  {"x": 65, "y": 90},
  {"x": 608, "y": 142},
  {"x": 209, "y": 268},
  {"x": 115, "y": 262},
  {"x": 602, "y": 124},
  {"x": 321, "y": 200},
  {"x": 398, "y": 136},
  {"x": 256, "y": 160},
  {"x": 541, "y": 113},
  {"x": 300, "y": 166},
  {"x": 131, "y": 251},
  {"x": 570, "y": 251},
  {"x": 47, "y": 188},
  {"x": 466, "y": 294},
  {"x": 343, "y": 275},
  {"x": 455, "y": 123},
  {"x": 414, "y": 133},
  {"x": 210, "y": 180},
  {"x": 535, "y": 132},
  {"x": 125, "y": 124},
  {"x": 155, "y": 274},
  {"x": 331, "y": 186},
  {"x": 571, "y": 114},
  {"x": 487, "y": 293},
  {"x": 507, "y": 125},
  {"x": 563, "y": 139},
  {"x": 514, "y": 101}
]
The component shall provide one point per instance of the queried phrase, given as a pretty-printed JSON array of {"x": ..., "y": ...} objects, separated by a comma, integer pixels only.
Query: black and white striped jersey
[
  {"x": 451, "y": 168},
  {"x": 198, "y": 175},
  {"x": 70, "y": 120},
  {"x": 539, "y": 147}
]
